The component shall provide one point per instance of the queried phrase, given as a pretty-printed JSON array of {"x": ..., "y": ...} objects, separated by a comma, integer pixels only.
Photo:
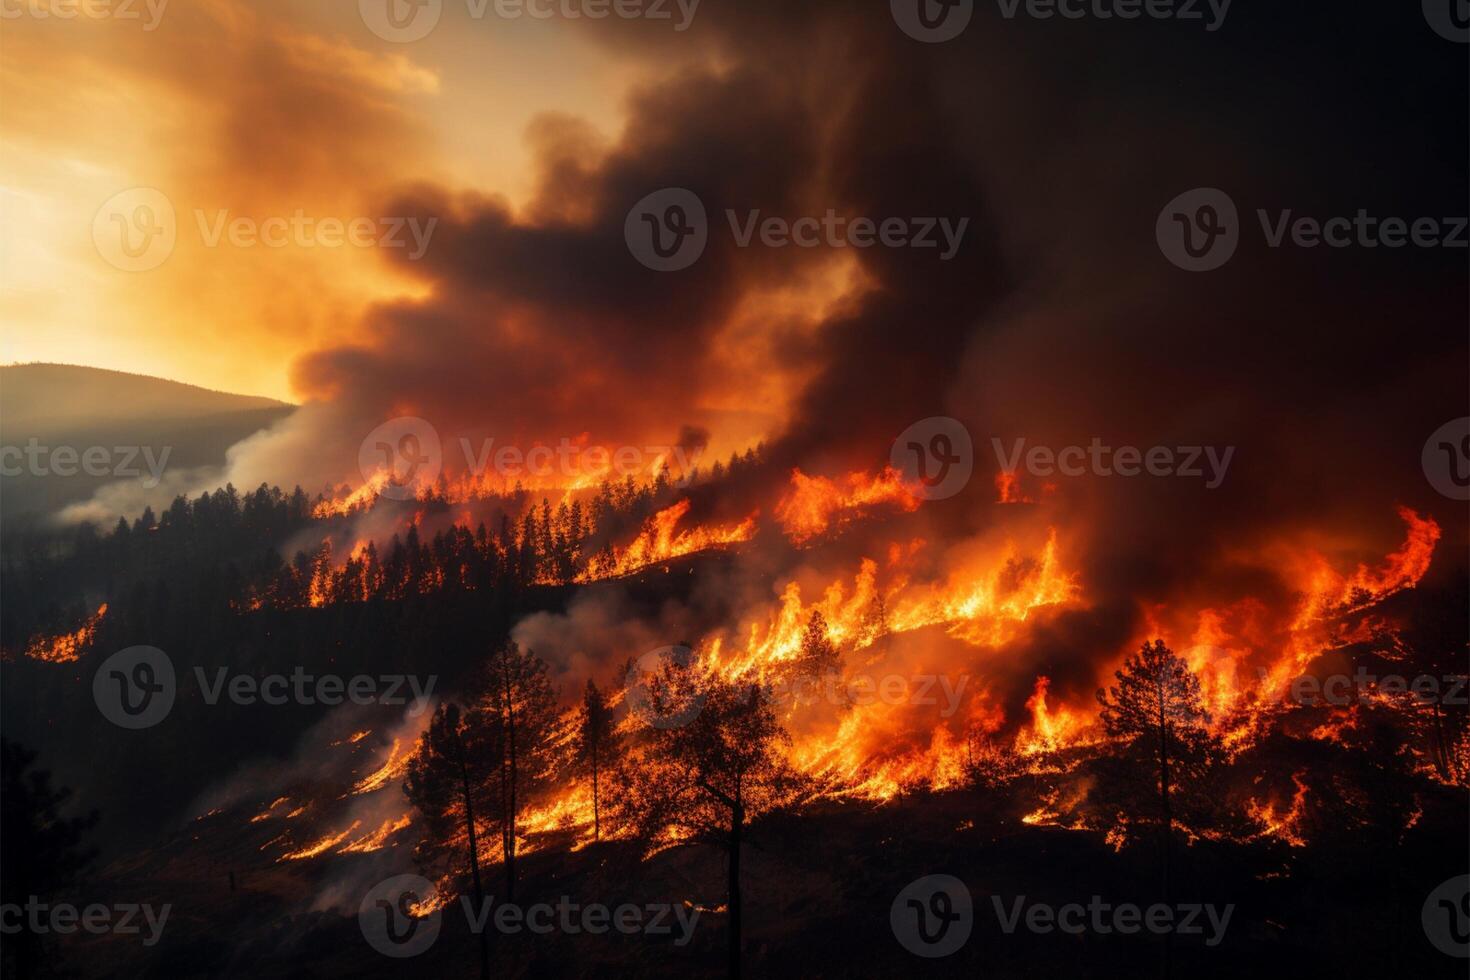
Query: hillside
[{"x": 82, "y": 407}]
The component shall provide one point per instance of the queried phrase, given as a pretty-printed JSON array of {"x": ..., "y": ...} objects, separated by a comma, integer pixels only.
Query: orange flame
[
  {"x": 378, "y": 838},
  {"x": 320, "y": 847},
  {"x": 67, "y": 647},
  {"x": 813, "y": 505},
  {"x": 1008, "y": 489},
  {"x": 1051, "y": 728},
  {"x": 1283, "y": 823},
  {"x": 662, "y": 541},
  {"x": 392, "y": 768}
]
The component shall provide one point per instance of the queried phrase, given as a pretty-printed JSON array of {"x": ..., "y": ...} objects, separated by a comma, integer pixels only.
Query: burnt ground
[{"x": 818, "y": 890}]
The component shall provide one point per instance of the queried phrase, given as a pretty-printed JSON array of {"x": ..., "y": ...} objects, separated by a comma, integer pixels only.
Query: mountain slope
[{"x": 63, "y": 405}]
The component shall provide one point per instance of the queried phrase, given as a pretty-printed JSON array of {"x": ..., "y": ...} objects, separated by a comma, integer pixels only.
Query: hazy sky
[
  {"x": 529, "y": 142},
  {"x": 260, "y": 109},
  {"x": 1061, "y": 318}
]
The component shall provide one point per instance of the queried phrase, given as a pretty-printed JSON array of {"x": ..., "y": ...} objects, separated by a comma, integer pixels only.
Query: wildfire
[
  {"x": 266, "y": 813},
  {"x": 321, "y": 846},
  {"x": 1400, "y": 570},
  {"x": 986, "y": 597},
  {"x": 983, "y": 603},
  {"x": 813, "y": 505},
  {"x": 569, "y": 469},
  {"x": 1217, "y": 659},
  {"x": 1051, "y": 728},
  {"x": 986, "y": 603},
  {"x": 359, "y": 499},
  {"x": 1328, "y": 594},
  {"x": 1008, "y": 489},
  {"x": 855, "y": 760},
  {"x": 661, "y": 540},
  {"x": 846, "y": 764},
  {"x": 1283, "y": 823},
  {"x": 1229, "y": 644},
  {"x": 1337, "y": 727},
  {"x": 572, "y": 810},
  {"x": 392, "y": 768},
  {"x": 1058, "y": 808},
  {"x": 985, "y": 606},
  {"x": 67, "y": 647},
  {"x": 378, "y": 838},
  {"x": 428, "y": 906}
]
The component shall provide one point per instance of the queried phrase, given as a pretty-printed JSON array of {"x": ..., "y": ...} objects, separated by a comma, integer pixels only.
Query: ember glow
[
  {"x": 322, "y": 846},
  {"x": 662, "y": 539},
  {"x": 392, "y": 769},
  {"x": 67, "y": 647},
  {"x": 1282, "y": 819}
]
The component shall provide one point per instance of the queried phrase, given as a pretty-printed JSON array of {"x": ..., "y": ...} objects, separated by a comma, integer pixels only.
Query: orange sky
[{"x": 261, "y": 109}]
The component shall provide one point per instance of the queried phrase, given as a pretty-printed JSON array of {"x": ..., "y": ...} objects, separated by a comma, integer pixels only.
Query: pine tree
[
  {"x": 44, "y": 853},
  {"x": 520, "y": 707},
  {"x": 452, "y": 780},
  {"x": 818, "y": 656},
  {"x": 875, "y": 628},
  {"x": 711, "y": 776},
  {"x": 1156, "y": 701},
  {"x": 595, "y": 744}
]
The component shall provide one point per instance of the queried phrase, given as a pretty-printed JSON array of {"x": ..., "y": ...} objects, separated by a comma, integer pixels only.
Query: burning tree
[
  {"x": 520, "y": 710},
  {"x": 818, "y": 655},
  {"x": 874, "y": 631},
  {"x": 595, "y": 742},
  {"x": 709, "y": 777},
  {"x": 988, "y": 762},
  {"x": 817, "y": 662},
  {"x": 480, "y": 764},
  {"x": 1156, "y": 707},
  {"x": 452, "y": 779}
]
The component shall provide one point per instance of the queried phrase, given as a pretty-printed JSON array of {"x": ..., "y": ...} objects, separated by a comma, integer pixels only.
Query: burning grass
[
  {"x": 67, "y": 647},
  {"x": 869, "y": 752}
]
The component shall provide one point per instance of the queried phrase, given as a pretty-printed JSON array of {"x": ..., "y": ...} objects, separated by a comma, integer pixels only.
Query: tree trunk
[
  {"x": 1168, "y": 813},
  {"x": 1164, "y": 800},
  {"x": 510, "y": 798},
  {"x": 469, "y": 818},
  {"x": 737, "y": 825},
  {"x": 1440, "y": 752},
  {"x": 596, "y": 817}
]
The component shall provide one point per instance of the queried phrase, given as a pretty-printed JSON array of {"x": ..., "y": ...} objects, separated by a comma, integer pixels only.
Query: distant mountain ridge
[
  {"x": 81, "y": 407},
  {"x": 59, "y": 393}
]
